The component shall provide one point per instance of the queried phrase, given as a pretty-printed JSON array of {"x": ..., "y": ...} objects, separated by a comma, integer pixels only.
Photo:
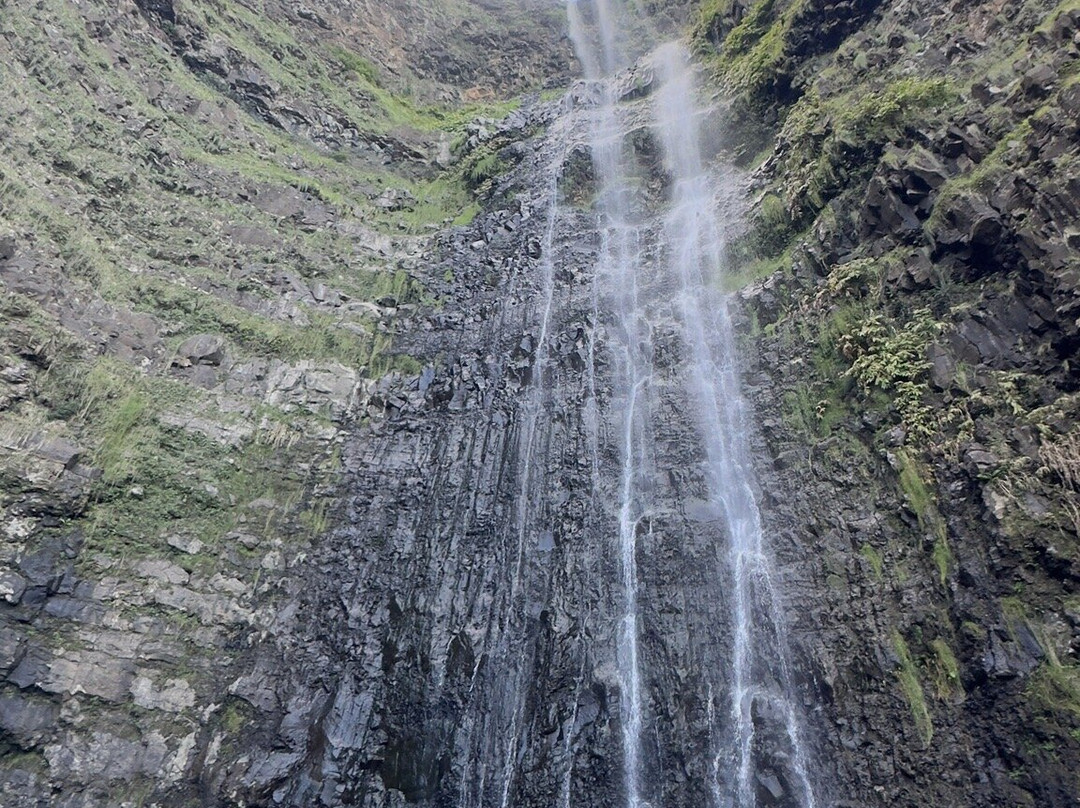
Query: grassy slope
[{"x": 150, "y": 199}]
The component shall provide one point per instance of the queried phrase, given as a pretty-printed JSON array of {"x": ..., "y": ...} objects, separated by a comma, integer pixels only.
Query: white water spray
[{"x": 619, "y": 264}]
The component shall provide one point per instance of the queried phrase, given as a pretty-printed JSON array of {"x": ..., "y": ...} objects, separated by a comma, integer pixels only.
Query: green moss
[
  {"x": 829, "y": 142},
  {"x": 981, "y": 179},
  {"x": 974, "y": 631},
  {"x": 752, "y": 61},
  {"x": 800, "y": 410},
  {"x": 907, "y": 676},
  {"x": 363, "y": 67},
  {"x": 946, "y": 670},
  {"x": 467, "y": 214},
  {"x": 918, "y": 495},
  {"x": 1056, "y": 687},
  {"x": 1061, "y": 8},
  {"x": 12, "y": 759},
  {"x": 771, "y": 233},
  {"x": 755, "y": 25},
  {"x": 236, "y": 716},
  {"x": 874, "y": 559},
  {"x": 744, "y": 272}
]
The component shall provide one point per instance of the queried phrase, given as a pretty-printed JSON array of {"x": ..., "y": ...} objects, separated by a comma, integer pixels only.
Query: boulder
[
  {"x": 12, "y": 586},
  {"x": 1038, "y": 81},
  {"x": 393, "y": 199},
  {"x": 201, "y": 349}
]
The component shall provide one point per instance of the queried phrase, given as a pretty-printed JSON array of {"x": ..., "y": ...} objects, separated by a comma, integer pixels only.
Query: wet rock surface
[
  {"x": 457, "y": 638},
  {"x": 910, "y": 474}
]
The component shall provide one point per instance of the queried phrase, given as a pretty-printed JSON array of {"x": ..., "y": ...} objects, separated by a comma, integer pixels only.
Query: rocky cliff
[
  {"x": 914, "y": 334},
  {"x": 301, "y": 446},
  {"x": 213, "y": 220}
]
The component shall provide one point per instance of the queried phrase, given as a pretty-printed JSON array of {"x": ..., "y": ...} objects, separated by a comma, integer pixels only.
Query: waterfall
[
  {"x": 686, "y": 244},
  {"x": 695, "y": 254},
  {"x": 619, "y": 265}
]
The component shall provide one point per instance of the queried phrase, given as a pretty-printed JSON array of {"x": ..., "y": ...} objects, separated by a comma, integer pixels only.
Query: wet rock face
[
  {"x": 933, "y": 550},
  {"x": 443, "y": 632},
  {"x": 456, "y": 641}
]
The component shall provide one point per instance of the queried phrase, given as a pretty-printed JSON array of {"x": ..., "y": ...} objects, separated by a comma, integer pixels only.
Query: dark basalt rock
[
  {"x": 162, "y": 9},
  {"x": 441, "y": 646}
]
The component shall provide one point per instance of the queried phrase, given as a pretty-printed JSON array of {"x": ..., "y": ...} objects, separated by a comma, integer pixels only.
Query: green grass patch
[
  {"x": 942, "y": 553},
  {"x": 742, "y": 273},
  {"x": 830, "y": 142},
  {"x": 1057, "y": 688},
  {"x": 918, "y": 495},
  {"x": 946, "y": 670}
]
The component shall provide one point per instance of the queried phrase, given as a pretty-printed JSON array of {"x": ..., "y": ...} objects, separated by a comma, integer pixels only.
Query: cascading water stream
[
  {"x": 695, "y": 246},
  {"x": 758, "y": 672},
  {"x": 618, "y": 267}
]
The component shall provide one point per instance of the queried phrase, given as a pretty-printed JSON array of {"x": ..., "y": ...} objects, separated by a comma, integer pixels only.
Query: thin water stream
[{"x": 618, "y": 267}]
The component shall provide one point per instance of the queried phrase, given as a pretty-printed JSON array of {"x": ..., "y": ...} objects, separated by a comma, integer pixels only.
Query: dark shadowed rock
[{"x": 162, "y": 9}]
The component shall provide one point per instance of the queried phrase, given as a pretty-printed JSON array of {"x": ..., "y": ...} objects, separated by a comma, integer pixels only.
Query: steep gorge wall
[
  {"x": 214, "y": 217},
  {"x": 188, "y": 626},
  {"x": 913, "y": 334}
]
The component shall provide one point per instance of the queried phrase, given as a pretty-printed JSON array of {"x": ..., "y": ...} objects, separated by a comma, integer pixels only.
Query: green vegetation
[
  {"x": 746, "y": 272},
  {"x": 751, "y": 62},
  {"x": 772, "y": 225},
  {"x": 158, "y": 478},
  {"x": 853, "y": 302},
  {"x": 143, "y": 218},
  {"x": 923, "y": 504},
  {"x": 767, "y": 247},
  {"x": 753, "y": 52},
  {"x": 236, "y": 716},
  {"x": 874, "y": 559},
  {"x": 907, "y": 675},
  {"x": 894, "y": 361},
  {"x": 1056, "y": 687},
  {"x": 946, "y": 670},
  {"x": 983, "y": 177},
  {"x": 483, "y": 168},
  {"x": 918, "y": 495},
  {"x": 828, "y": 142},
  {"x": 942, "y": 553}
]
